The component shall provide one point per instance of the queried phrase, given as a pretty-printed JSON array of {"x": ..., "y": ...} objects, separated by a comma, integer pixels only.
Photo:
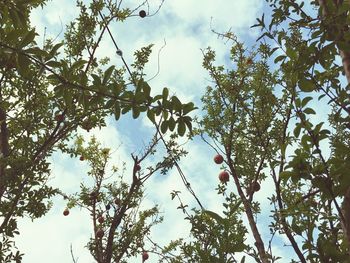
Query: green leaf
[
  {"x": 291, "y": 53},
  {"x": 28, "y": 38},
  {"x": 321, "y": 183},
  {"x": 188, "y": 122},
  {"x": 279, "y": 58},
  {"x": 135, "y": 112},
  {"x": 55, "y": 49},
  {"x": 285, "y": 175},
  {"x": 165, "y": 114},
  {"x": 139, "y": 97},
  {"x": 53, "y": 64},
  {"x": 78, "y": 64},
  {"x": 171, "y": 124},
  {"x": 181, "y": 127},
  {"x": 309, "y": 111},
  {"x": 145, "y": 87},
  {"x": 188, "y": 107},
  {"x": 117, "y": 110},
  {"x": 214, "y": 216},
  {"x": 164, "y": 127},
  {"x": 296, "y": 228},
  {"x": 107, "y": 75},
  {"x": 165, "y": 93},
  {"x": 306, "y": 85},
  {"x": 176, "y": 103},
  {"x": 304, "y": 142},
  {"x": 109, "y": 104},
  {"x": 151, "y": 115},
  {"x": 297, "y": 130},
  {"x": 23, "y": 63},
  {"x": 96, "y": 80},
  {"x": 305, "y": 101},
  {"x": 126, "y": 109}
]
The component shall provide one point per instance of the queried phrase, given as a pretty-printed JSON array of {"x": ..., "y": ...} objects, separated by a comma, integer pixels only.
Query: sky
[{"x": 185, "y": 27}]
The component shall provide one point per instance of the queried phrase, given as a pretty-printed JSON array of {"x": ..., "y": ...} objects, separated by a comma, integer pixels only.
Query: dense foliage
[{"x": 47, "y": 93}]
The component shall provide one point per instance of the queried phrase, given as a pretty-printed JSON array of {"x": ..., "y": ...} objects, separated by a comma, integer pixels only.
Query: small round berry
[
  {"x": 117, "y": 201},
  {"x": 59, "y": 117},
  {"x": 66, "y": 212},
  {"x": 256, "y": 186},
  {"x": 145, "y": 256},
  {"x": 100, "y": 219},
  {"x": 142, "y": 13},
  {"x": 99, "y": 233},
  {"x": 224, "y": 177},
  {"x": 218, "y": 159}
]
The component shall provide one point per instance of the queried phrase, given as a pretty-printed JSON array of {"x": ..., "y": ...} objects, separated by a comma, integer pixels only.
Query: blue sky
[{"x": 185, "y": 26}]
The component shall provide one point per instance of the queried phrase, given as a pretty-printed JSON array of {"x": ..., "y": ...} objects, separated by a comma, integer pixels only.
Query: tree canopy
[{"x": 257, "y": 115}]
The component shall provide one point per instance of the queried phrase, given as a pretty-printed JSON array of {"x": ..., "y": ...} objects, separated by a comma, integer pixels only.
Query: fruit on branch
[
  {"x": 93, "y": 195},
  {"x": 145, "y": 256},
  {"x": 253, "y": 187},
  {"x": 59, "y": 117},
  {"x": 249, "y": 61},
  {"x": 218, "y": 159},
  {"x": 142, "y": 13},
  {"x": 87, "y": 125},
  {"x": 99, "y": 233},
  {"x": 256, "y": 186},
  {"x": 224, "y": 176},
  {"x": 66, "y": 212},
  {"x": 100, "y": 219},
  {"x": 117, "y": 201},
  {"x": 108, "y": 206},
  {"x": 82, "y": 158}
]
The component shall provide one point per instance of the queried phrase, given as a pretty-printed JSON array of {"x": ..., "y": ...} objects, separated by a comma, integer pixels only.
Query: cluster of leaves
[
  {"x": 113, "y": 204},
  {"x": 216, "y": 238},
  {"x": 47, "y": 93},
  {"x": 311, "y": 69},
  {"x": 249, "y": 119}
]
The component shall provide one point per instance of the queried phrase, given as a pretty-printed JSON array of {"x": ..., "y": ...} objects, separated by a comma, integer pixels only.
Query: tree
[
  {"x": 120, "y": 227},
  {"x": 259, "y": 119},
  {"x": 249, "y": 120},
  {"x": 45, "y": 96}
]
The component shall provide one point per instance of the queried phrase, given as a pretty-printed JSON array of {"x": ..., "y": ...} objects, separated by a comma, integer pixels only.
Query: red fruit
[
  {"x": 59, "y": 117},
  {"x": 81, "y": 158},
  {"x": 256, "y": 187},
  {"x": 100, "y": 233},
  {"x": 224, "y": 176},
  {"x": 100, "y": 219},
  {"x": 93, "y": 195},
  {"x": 249, "y": 61},
  {"x": 66, "y": 212},
  {"x": 117, "y": 201},
  {"x": 137, "y": 167},
  {"x": 142, "y": 13},
  {"x": 145, "y": 256},
  {"x": 218, "y": 159}
]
